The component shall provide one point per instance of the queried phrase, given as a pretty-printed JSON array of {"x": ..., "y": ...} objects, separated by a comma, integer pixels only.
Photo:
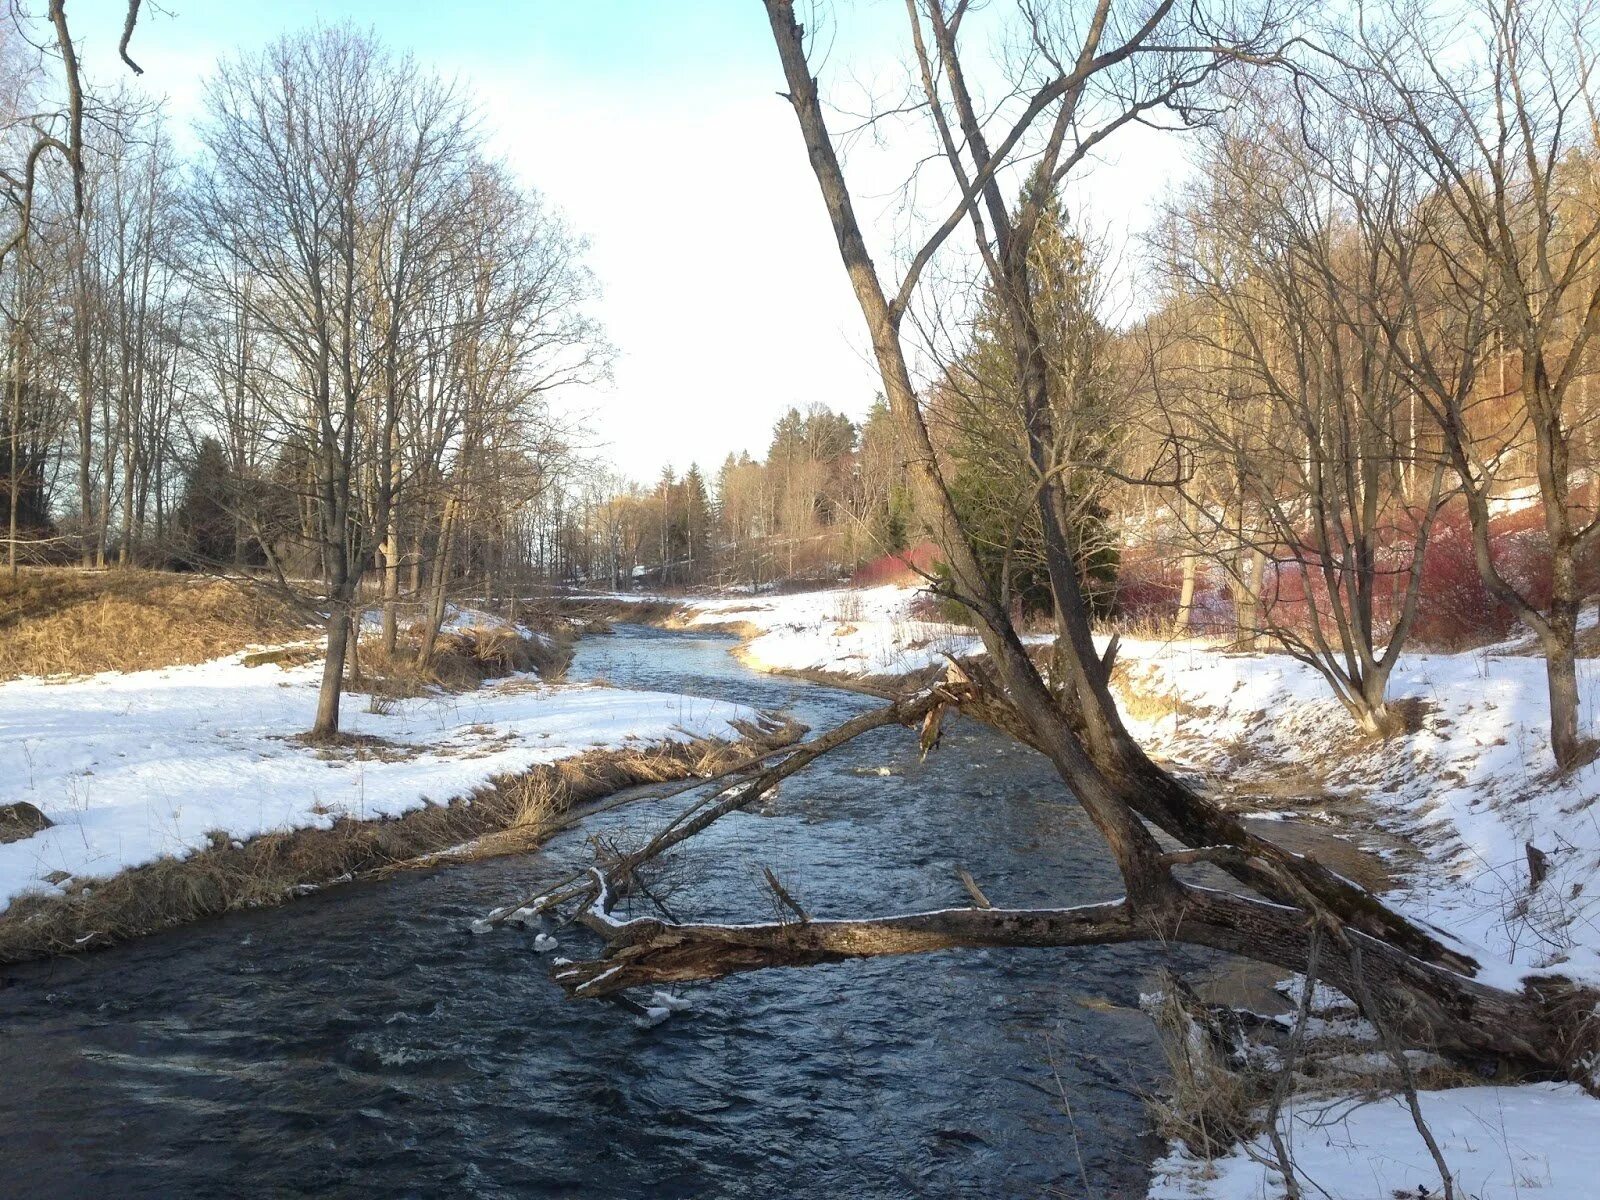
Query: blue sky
[{"x": 655, "y": 128}]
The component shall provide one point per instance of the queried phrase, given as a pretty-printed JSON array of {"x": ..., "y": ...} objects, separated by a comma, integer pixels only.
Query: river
[{"x": 360, "y": 1043}]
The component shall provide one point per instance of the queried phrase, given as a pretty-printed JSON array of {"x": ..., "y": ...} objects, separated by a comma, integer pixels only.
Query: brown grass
[
  {"x": 461, "y": 661},
  {"x": 1211, "y": 1101},
  {"x": 1221, "y": 1082},
  {"x": 1143, "y": 702},
  {"x": 57, "y": 621},
  {"x": 509, "y": 815},
  {"x": 598, "y": 613}
]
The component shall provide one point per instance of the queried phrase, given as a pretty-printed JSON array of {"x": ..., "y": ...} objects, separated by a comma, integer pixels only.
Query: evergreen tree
[
  {"x": 207, "y": 527},
  {"x": 697, "y": 519},
  {"x": 994, "y": 483}
]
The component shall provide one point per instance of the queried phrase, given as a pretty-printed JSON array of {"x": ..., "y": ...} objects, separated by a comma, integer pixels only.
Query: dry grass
[
  {"x": 1227, "y": 1067},
  {"x": 461, "y": 662},
  {"x": 511, "y": 814},
  {"x": 1142, "y": 701},
  {"x": 1212, "y": 1099},
  {"x": 601, "y": 611},
  {"x": 57, "y": 621}
]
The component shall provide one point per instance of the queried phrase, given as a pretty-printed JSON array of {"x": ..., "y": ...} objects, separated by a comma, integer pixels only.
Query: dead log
[
  {"x": 1191, "y": 819},
  {"x": 1547, "y": 1030}
]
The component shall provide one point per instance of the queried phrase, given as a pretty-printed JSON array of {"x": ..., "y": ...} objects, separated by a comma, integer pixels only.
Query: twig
[
  {"x": 1408, "y": 1078},
  {"x": 1280, "y": 1091},
  {"x": 783, "y": 895},
  {"x": 973, "y": 890}
]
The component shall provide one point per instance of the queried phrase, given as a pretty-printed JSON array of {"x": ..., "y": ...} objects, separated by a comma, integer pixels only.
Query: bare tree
[
  {"x": 1295, "y": 395},
  {"x": 1497, "y": 106},
  {"x": 311, "y": 145}
]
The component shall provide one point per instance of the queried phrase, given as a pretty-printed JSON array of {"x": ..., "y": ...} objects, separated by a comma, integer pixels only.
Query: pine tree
[
  {"x": 207, "y": 527},
  {"x": 993, "y": 483},
  {"x": 697, "y": 516}
]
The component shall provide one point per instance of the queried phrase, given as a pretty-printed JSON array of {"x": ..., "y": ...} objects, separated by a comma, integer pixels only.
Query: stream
[{"x": 360, "y": 1042}]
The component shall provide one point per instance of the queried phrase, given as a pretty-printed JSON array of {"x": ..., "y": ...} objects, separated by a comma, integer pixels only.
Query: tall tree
[
  {"x": 1402, "y": 975},
  {"x": 308, "y": 144}
]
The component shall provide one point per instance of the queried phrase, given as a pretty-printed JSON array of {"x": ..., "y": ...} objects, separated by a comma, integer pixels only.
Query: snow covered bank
[
  {"x": 135, "y": 767},
  {"x": 1471, "y": 783},
  {"x": 1471, "y": 787},
  {"x": 1501, "y": 1143},
  {"x": 854, "y": 632}
]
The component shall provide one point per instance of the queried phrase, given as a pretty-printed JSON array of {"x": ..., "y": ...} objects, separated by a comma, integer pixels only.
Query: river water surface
[{"x": 360, "y": 1043}]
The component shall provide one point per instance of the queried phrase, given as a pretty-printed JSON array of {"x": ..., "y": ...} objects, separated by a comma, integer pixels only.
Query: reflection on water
[{"x": 360, "y": 1043}]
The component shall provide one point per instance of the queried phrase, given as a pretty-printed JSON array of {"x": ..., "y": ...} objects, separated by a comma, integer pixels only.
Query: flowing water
[{"x": 361, "y": 1043}]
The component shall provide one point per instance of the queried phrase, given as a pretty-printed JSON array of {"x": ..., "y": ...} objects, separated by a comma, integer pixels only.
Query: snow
[
  {"x": 1473, "y": 784},
  {"x": 131, "y": 767},
  {"x": 1500, "y": 1143},
  {"x": 843, "y": 631},
  {"x": 457, "y": 618},
  {"x": 1471, "y": 788}
]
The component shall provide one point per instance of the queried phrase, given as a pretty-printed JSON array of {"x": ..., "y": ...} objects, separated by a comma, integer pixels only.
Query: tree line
[
  {"x": 830, "y": 494},
  {"x": 318, "y": 352}
]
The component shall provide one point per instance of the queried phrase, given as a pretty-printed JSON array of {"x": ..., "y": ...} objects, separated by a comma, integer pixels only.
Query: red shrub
[{"x": 903, "y": 566}]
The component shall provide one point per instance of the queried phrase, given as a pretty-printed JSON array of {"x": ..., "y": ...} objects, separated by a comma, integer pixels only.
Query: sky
[{"x": 657, "y": 130}]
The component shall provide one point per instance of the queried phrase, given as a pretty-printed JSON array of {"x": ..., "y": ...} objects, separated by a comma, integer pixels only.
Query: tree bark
[
  {"x": 326, "y": 724},
  {"x": 441, "y": 579}
]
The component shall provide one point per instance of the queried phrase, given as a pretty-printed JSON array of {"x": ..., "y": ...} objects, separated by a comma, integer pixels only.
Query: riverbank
[
  {"x": 1451, "y": 805},
  {"x": 142, "y": 799}
]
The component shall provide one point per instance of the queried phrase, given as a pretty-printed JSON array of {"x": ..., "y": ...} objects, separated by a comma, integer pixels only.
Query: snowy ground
[
  {"x": 844, "y": 631},
  {"x": 1473, "y": 786},
  {"x": 134, "y": 766},
  {"x": 458, "y": 618},
  {"x": 1526, "y": 1143},
  {"x": 1470, "y": 788}
]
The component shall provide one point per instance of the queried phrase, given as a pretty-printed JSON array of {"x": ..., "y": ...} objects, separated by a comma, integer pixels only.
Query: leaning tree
[{"x": 1082, "y": 76}]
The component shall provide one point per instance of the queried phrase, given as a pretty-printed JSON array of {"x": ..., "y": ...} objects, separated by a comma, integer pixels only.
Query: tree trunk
[
  {"x": 85, "y": 421},
  {"x": 441, "y": 579},
  {"x": 125, "y": 549},
  {"x": 1561, "y": 672},
  {"x": 13, "y": 474},
  {"x": 327, "y": 722},
  {"x": 1540, "y": 1031},
  {"x": 1180, "y": 624},
  {"x": 391, "y": 584}
]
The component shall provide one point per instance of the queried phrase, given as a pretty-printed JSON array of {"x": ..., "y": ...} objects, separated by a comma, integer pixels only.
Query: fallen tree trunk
[
  {"x": 1548, "y": 1029},
  {"x": 1193, "y": 820}
]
